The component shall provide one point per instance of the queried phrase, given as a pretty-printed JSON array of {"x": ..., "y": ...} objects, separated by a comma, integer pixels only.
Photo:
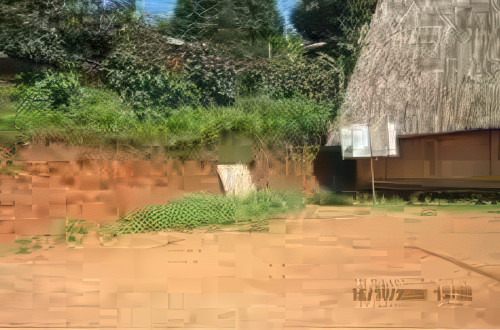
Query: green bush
[
  {"x": 329, "y": 198},
  {"x": 296, "y": 121},
  {"x": 57, "y": 31},
  {"x": 101, "y": 111},
  {"x": 395, "y": 200},
  {"x": 321, "y": 78},
  {"x": 9, "y": 95},
  {"x": 147, "y": 87},
  {"x": 214, "y": 74},
  {"x": 264, "y": 204},
  {"x": 60, "y": 88}
]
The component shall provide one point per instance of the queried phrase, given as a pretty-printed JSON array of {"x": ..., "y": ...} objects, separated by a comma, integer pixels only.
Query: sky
[{"x": 166, "y": 7}]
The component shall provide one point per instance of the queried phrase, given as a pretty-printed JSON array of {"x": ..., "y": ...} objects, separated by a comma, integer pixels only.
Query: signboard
[{"x": 376, "y": 140}]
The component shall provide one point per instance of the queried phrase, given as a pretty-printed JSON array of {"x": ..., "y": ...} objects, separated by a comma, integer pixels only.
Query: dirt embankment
[{"x": 56, "y": 182}]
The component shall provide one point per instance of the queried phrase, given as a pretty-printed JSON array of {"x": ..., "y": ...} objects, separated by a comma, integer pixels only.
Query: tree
[
  {"x": 258, "y": 18},
  {"x": 204, "y": 18},
  {"x": 55, "y": 31},
  {"x": 196, "y": 18},
  {"x": 321, "y": 20}
]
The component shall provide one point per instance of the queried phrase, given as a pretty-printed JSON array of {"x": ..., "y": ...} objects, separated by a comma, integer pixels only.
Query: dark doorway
[{"x": 334, "y": 173}]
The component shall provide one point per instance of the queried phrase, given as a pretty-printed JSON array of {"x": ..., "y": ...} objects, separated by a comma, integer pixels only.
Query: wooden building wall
[{"x": 466, "y": 154}]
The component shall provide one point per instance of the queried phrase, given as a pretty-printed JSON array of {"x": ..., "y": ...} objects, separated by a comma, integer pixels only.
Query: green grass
[
  {"x": 195, "y": 210},
  {"x": 23, "y": 250},
  {"x": 8, "y": 105},
  {"x": 101, "y": 118},
  {"x": 23, "y": 240},
  {"x": 265, "y": 204},
  {"x": 329, "y": 198}
]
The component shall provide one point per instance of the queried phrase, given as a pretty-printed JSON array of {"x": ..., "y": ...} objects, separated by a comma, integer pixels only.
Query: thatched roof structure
[{"x": 431, "y": 66}]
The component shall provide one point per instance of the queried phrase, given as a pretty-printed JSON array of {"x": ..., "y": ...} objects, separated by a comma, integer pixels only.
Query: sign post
[
  {"x": 374, "y": 198},
  {"x": 363, "y": 141}
]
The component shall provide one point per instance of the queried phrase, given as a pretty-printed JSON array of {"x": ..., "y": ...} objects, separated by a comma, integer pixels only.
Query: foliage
[
  {"x": 59, "y": 87},
  {"x": 147, "y": 88},
  {"x": 101, "y": 111},
  {"x": 214, "y": 74},
  {"x": 150, "y": 71},
  {"x": 202, "y": 19},
  {"x": 263, "y": 204},
  {"x": 321, "y": 78},
  {"x": 321, "y": 197},
  {"x": 258, "y": 18},
  {"x": 36, "y": 246},
  {"x": 56, "y": 31},
  {"x": 196, "y": 18},
  {"x": 289, "y": 44},
  {"x": 100, "y": 117},
  {"x": 296, "y": 122},
  {"x": 395, "y": 200},
  {"x": 332, "y": 19},
  {"x": 343, "y": 32}
]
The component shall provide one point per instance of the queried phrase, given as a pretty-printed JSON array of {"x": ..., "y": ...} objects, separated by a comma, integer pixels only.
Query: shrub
[
  {"x": 147, "y": 87},
  {"x": 102, "y": 111},
  {"x": 214, "y": 73},
  {"x": 60, "y": 88},
  {"x": 9, "y": 95},
  {"x": 395, "y": 200},
  {"x": 329, "y": 198},
  {"x": 321, "y": 78},
  {"x": 298, "y": 122},
  {"x": 264, "y": 204},
  {"x": 57, "y": 31}
]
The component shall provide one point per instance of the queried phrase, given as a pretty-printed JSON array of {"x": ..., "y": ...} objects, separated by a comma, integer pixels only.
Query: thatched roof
[{"x": 432, "y": 66}]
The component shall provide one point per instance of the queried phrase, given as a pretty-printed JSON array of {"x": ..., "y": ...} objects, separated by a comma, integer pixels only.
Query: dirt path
[{"x": 300, "y": 274}]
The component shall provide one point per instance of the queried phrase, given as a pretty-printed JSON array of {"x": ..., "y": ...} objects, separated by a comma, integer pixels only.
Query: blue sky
[{"x": 166, "y": 7}]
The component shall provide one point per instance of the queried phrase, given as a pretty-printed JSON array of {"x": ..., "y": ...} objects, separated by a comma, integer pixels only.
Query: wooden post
[
  {"x": 490, "y": 150},
  {"x": 374, "y": 198}
]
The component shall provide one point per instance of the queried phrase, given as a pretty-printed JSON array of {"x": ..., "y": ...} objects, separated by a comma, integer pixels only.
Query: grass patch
[
  {"x": 23, "y": 250},
  {"x": 9, "y": 99},
  {"x": 23, "y": 240},
  {"x": 195, "y": 210},
  {"x": 99, "y": 117},
  {"x": 322, "y": 197},
  {"x": 264, "y": 204},
  {"x": 36, "y": 247}
]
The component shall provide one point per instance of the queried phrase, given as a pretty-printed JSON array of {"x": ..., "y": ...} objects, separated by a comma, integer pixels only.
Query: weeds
[
  {"x": 328, "y": 198},
  {"x": 23, "y": 250},
  {"x": 196, "y": 210},
  {"x": 100, "y": 117}
]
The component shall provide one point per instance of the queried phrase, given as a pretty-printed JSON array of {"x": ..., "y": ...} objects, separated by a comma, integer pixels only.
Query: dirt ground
[{"x": 299, "y": 272}]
